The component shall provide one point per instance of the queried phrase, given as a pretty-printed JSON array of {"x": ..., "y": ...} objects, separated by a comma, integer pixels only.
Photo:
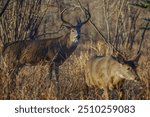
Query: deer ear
[
  {"x": 134, "y": 62},
  {"x": 67, "y": 26},
  {"x": 120, "y": 59},
  {"x": 137, "y": 58}
]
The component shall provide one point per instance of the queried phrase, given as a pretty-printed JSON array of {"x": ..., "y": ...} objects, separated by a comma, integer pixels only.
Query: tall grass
[{"x": 33, "y": 81}]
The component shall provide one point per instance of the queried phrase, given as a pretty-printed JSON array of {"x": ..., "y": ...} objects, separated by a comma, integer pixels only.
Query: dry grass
[{"x": 33, "y": 82}]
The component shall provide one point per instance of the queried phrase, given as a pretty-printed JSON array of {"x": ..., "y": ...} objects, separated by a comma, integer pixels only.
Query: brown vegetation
[
  {"x": 108, "y": 72},
  {"x": 119, "y": 23}
]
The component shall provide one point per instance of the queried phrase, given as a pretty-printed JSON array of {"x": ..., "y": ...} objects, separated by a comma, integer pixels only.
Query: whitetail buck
[
  {"x": 52, "y": 51},
  {"x": 107, "y": 72}
]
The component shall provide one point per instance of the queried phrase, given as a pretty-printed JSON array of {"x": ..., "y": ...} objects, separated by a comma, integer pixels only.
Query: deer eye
[{"x": 129, "y": 68}]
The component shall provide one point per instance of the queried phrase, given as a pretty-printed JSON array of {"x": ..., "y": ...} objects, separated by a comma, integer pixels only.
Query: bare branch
[
  {"x": 95, "y": 27},
  {"x": 106, "y": 16},
  {"x": 4, "y": 8},
  {"x": 100, "y": 33}
]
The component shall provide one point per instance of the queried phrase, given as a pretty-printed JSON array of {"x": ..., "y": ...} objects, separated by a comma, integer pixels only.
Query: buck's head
[
  {"x": 75, "y": 29},
  {"x": 128, "y": 68},
  {"x": 125, "y": 72}
]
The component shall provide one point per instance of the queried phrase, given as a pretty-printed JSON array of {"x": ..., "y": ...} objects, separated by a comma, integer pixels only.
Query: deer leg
[
  {"x": 51, "y": 71},
  {"x": 121, "y": 91},
  {"x": 86, "y": 89},
  {"x": 57, "y": 81},
  {"x": 105, "y": 94},
  {"x": 54, "y": 76},
  {"x": 12, "y": 83}
]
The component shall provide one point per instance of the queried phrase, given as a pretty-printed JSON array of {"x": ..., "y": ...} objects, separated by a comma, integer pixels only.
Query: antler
[
  {"x": 143, "y": 35},
  {"x": 88, "y": 16},
  {"x": 65, "y": 20},
  {"x": 99, "y": 32}
]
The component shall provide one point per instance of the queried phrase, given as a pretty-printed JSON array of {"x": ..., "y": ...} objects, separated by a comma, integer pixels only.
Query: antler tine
[
  {"x": 64, "y": 21},
  {"x": 87, "y": 14},
  {"x": 143, "y": 35},
  {"x": 138, "y": 54},
  {"x": 79, "y": 20}
]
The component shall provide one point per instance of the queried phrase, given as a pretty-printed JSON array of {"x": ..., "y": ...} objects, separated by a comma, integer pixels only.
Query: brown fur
[
  {"x": 106, "y": 72},
  {"x": 33, "y": 51},
  {"x": 54, "y": 51}
]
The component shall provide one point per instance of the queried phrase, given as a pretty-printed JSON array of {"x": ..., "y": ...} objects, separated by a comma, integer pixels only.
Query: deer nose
[{"x": 133, "y": 78}]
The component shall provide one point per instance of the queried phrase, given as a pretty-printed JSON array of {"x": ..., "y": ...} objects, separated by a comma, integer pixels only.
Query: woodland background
[{"x": 121, "y": 22}]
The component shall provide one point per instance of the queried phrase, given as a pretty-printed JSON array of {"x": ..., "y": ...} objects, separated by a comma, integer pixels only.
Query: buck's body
[
  {"x": 32, "y": 52},
  {"x": 106, "y": 72},
  {"x": 54, "y": 51},
  {"x": 36, "y": 51}
]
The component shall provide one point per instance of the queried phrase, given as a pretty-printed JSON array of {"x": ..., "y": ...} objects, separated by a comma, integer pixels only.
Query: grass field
[
  {"x": 33, "y": 82},
  {"x": 114, "y": 18}
]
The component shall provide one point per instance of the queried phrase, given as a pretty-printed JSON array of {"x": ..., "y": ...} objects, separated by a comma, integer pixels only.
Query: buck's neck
[
  {"x": 73, "y": 40},
  {"x": 65, "y": 50}
]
